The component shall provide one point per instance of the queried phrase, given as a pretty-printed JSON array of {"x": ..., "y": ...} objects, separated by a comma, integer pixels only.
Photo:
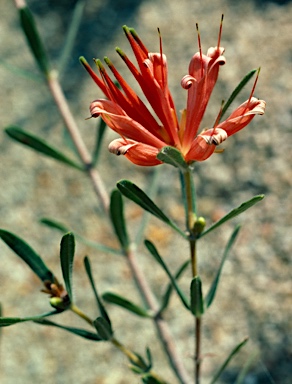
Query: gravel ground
[{"x": 254, "y": 298}]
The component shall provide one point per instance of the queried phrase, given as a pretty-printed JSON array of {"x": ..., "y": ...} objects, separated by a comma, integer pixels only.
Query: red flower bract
[{"x": 142, "y": 134}]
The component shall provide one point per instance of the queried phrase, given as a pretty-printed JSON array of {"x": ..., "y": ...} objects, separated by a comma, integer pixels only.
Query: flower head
[{"x": 143, "y": 135}]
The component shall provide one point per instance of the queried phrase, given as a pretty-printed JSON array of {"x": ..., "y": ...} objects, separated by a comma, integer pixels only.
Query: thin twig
[{"x": 81, "y": 148}]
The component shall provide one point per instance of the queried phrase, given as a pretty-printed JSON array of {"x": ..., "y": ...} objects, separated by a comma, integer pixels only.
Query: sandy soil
[{"x": 254, "y": 298}]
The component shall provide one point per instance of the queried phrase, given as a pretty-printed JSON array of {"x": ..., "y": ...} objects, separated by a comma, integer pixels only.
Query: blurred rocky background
[{"x": 254, "y": 297}]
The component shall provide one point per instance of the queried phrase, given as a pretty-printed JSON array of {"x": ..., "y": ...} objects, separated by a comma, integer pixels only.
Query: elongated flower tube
[{"x": 144, "y": 133}]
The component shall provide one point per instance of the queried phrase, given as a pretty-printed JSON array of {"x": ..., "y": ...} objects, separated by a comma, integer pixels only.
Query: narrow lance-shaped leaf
[
  {"x": 226, "y": 362},
  {"x": 235, "y": 212},
  {"x": 100, "y": 305},
  {"x": 117, "y": 218},
  {"x": 40, "y": 146},
  {"x": 67, "y": 251},
  {"x": 172, "y": 156},
  {"x": 103, "y": 328},
  {"x": 134, "y": 193},
  {"x": 76, "y": 331},
  {"x": 212, "y": 291},
  {"x": 7, "y": 321},
  {"x": 240, "y": 379},
  {"x": 34, "y": 40},
  {"x": 152, "y": 249},
  {"x": 27, "y": 254},
  {"x": 125, "y": 303},
  {"x": 169, "y": 290},
  {"x": 66, "y": 53},
  {"x": 236, "y": 91},
  {"x": 197, "y": 302},
  {"x": 64, "y": 229}
]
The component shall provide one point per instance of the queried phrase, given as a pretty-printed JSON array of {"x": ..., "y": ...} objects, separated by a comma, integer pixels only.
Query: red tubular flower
[{"x": 144, "y": 135}]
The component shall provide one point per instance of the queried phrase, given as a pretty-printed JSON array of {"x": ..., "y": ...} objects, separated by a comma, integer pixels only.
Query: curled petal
[
  {"x": 137, "y": 153},
  {"x": 117, "y": 119},
  {"x": 187, "y": 81},
  {"x": 214, "y": 136},
  {"x": 215, "y": 52},
  {"x": 243, "y": 115}
]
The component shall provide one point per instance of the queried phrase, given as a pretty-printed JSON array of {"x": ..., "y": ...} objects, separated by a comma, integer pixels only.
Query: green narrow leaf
[
  {"x": 64, "y": 229},
  {"x": 100, "y": 305},
  {"x": 76, "y": 331},
  {"x": 235, "y": 212},
  {"x": 152, "y": 189},
  {"x": 40, "y": 146},
  {"x": 67, "y": 251},
  {"x": 29, "y": 27},
  {"x": 27, "y": 254},
  {"x": 101, "y": 129},
  {"x": 246, "y": 367},
  {"x": 7, "y": 321},
  {"x": 103, "y": 328},
  {"x": 66, "y": 53},
  {"x": 153, "y": 251},
  {"x": 226, "y": 362},
  {"x": 134, "y": 193},
  {"x": 117, "y": 218},
  {"x": 125, "y": 303},
  {"x": 169, "y": 290},
  {"x": 197, "y": 302},
  {"x": 212, "y": 291},
  {"x": 236, "y": 91},
  {"x": 21, "y": 72},
  {"x": 172, "y": 156}
]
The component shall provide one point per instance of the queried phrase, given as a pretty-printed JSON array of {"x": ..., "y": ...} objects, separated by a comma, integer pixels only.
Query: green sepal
[
  {"x": 118, "y": 219},
  {"x": 134, "y": 193},
  {"x": 153, "y": 251},
  {"x": 28, "y": 255},
  {"x": 7, "y": 321},
  {"x": 172, "y": 156},
  {"x": 235, "y": 212},
  {"x": 226, "y": 362},
  {"x": 76, "y": 331},
  {"x": 64, "y": 229},
  {"x": 212, "y": 291},
  {"x": 236, "y": 91},
  {"x": 125, "y": 303},
  {"x": 197, "y": 302},
  {"x": 29, "y": 27},
  {"x": 67, "y": 250},
  {"x": 40, "y": 146},
  {"x": 100, "y": 305},
  {"x": 103, "y": 328},
  {"x": 166, "y": 297}
]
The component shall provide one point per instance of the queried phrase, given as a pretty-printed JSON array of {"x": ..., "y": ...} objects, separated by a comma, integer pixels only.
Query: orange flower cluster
[{"x": 142, "y": 135}]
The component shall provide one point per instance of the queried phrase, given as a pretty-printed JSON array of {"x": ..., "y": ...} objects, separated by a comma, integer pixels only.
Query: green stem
[
  {"x": 81, "y": 314},
  {"x": 191, "y": 217}
]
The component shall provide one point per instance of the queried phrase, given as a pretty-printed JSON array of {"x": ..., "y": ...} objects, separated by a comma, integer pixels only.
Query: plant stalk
[{"x": 190, "y": 221}]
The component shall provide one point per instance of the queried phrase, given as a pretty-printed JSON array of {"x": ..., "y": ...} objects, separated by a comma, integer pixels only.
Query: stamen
[
  {"x": 253, "y": 89},
  {"x": 220, "y": 32},
  {"x": 219, "y": 115},
  {"x": 161, "y": 57},
  {"x": 200, "y": 49}
]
